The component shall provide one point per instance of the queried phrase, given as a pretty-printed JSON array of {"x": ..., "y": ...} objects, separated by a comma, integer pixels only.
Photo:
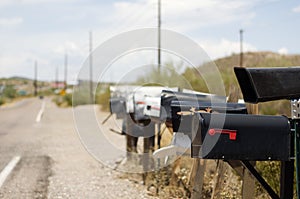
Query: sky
[{"x": 45, "y": 30}]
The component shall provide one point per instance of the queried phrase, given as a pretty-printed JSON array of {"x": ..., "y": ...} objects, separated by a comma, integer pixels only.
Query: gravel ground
[{"x": 75, "y": 174}]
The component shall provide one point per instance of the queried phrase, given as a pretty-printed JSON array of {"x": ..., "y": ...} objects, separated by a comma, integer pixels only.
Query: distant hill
[
  {"x": 251, "y": 59},
  {"x": 260, "y": 59},
  {"x": 15, "y": 80},
  {"x": 20, "y": 78}
]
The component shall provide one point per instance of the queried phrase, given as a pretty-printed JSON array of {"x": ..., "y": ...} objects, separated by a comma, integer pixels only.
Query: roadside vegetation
[
  {"x": 8, "y": 94},
  {"x": 63, "y": 100},
  {"x": 175, "y": 184},
  {"x": 190, "y": 78},
  {"x": 16, "y": 88}
]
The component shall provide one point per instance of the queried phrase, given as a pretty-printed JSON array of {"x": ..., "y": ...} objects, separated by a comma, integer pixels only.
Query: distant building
[{"x": 58, "y": 85}]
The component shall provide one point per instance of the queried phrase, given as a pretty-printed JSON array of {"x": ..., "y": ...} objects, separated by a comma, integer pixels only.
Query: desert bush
[
  {"x": 102, "y": 98},
  {"x": 2, "y": 101},
  {"x": 10, "y": 92}
]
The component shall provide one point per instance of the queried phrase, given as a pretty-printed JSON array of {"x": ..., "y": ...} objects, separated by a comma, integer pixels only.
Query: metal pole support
[{"x": 295, "y": 115}]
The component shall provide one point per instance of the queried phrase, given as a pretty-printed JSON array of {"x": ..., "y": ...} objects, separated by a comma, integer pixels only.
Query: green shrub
[
  {"x": 63, "y": 101},
  {"x": 2, "y": 101},
  {"x": 68, "y": 99},
  {"x": 102, "y": 99},
  {"x": 270, "y": 170},
  {"x": 10, "y": 92},
  {"x": 57, "y": 100},
  {"x": 166, "y": 76}
]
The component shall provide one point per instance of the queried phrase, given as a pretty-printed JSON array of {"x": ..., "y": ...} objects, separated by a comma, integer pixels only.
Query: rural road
[{"x": 41, "y": 156}]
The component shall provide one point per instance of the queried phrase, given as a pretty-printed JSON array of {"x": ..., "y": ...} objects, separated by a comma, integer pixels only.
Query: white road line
[
  {"x": 40, "y": 114},
  {"x": 9, "y": 167}
]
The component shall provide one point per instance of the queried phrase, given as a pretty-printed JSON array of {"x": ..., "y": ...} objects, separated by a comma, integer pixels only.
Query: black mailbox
[
  {"x": 185, "y": 106},
  {"x": 118, "y": 106},
  {"x": 167, "y": 97},
  {"x": 237, "y": 136},
  {"x": 266, "y": 84}
]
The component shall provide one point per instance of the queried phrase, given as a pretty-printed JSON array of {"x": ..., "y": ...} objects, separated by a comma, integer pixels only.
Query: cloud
[
  {"x": 18, "y": 58},
  {"x": 181, "y": 16},
  {"x": 70, "y": 47},
  {"x": 4, "y": 3},
  {"x": 224, "y": 47},
  {"x": 11, "y": 21},
  {"x": 24, "y": 66},
  {"x": 10, "y": 65},
  {"x": 107, "y": 19},
  {"x": 283, "y": 51},
  {"x": 296, "y": 9}
]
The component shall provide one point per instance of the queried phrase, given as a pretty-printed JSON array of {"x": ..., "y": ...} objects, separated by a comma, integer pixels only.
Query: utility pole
[
  {"x": 91, "y": 68},
  {"x": 248, "y": 186},
  {"x": 159, "y": 36},
  {"x": 66, "y": 71},
  {"x": 35, "y": 78},
  {"x": 241, "y": 47},
  {"x": 56, "y": 78}
]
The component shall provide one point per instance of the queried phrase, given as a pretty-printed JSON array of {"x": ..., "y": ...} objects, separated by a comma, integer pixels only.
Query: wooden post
[
  {"x": 248, "y": 187},
  {"x": 130, "y": 140},
  {"x": 148, "y": 149},
  {"x": 219, "y": 179},
  {"x": 221, "y": 167},
  {"x": 158, "y": 125},
  {"x": 197, "y": 174},
  {"x": 145, "y": 158},
  {"x": 196, "y": 178}
]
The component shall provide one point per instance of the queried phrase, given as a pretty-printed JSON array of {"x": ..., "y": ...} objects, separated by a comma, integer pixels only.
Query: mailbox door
[
  {"x": 167, "y": 97},
  {"x": 184, "y": 125},
  {"x": 118, "y": 107},
  {"x": 242, "y": 137}
]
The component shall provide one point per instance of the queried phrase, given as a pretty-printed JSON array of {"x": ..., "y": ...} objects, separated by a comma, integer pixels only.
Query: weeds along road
[{"x": 41, "y": 156}]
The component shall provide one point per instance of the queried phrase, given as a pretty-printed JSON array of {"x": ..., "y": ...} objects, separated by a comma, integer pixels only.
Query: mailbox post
[
  {"x": 295, "y": 114},
  {"x": 267, "y": 84}
]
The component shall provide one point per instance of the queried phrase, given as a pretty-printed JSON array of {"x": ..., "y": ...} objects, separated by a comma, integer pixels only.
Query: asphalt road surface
[{"x": 41, "y": 156}]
